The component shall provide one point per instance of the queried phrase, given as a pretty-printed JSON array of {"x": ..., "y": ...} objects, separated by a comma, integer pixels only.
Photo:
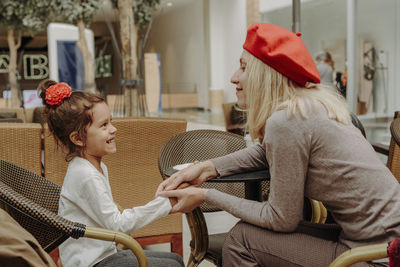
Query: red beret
[{"x": 282, "y": 50}]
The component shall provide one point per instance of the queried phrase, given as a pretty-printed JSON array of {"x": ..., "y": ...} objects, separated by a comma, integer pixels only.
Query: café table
[{"x": 252, "y": 181}]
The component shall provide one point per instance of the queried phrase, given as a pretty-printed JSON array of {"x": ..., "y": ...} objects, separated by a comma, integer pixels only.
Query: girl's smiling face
[
  {"x": 100, "y": 134},
  {"x": 239, "y": 78}
]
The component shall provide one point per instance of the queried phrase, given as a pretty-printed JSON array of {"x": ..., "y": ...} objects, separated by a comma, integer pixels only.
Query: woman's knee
[
  {"x": 234, "y": 244},
  {"x": 237, "y": 232}
]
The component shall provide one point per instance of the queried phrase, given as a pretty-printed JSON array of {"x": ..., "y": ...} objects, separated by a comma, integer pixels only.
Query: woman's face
[{"x": 239, "y": 78}]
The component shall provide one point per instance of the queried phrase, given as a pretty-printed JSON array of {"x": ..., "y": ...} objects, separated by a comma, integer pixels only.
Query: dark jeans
[{"x": 154, "y": 258}]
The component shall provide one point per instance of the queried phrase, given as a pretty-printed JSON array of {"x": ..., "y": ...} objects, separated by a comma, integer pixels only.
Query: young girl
[{"x": 82, "y": 123}]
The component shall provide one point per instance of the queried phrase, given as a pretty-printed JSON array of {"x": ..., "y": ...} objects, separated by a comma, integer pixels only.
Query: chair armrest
[
  {"x": 126, "y": 240},
  {"x": 361, "y": 254},
  {"x": 316, "y": 211},
  {"x": 381, "y": 148}
]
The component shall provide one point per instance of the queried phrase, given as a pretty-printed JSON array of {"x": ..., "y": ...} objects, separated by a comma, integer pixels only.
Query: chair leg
[
  {"x": 192, "y": 262},
  {"x": 176, "y": 244}
]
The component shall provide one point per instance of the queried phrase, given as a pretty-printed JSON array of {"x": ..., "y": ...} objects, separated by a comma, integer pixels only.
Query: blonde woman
[{"x": 311, "y": 148}]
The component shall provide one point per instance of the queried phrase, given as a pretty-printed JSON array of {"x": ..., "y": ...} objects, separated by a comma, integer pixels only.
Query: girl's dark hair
[{"x": 73, "y": 114}]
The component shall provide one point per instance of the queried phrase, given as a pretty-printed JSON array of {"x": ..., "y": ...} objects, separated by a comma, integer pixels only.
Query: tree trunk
[
  {"x": 13, "y": 45},
  {"x": 88, "y": 61},
  {"x": 128, "y": 33}
]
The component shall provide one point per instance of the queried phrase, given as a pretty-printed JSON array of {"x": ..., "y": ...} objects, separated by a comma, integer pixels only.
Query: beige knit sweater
[{"x": 324, "y": 160}]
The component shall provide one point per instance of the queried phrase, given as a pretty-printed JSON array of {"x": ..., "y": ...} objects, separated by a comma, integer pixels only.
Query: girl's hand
[
  {"x": 195, "y": 174},
  {"x": 174, "y": 200},
  {"x": 187, "y": 199}
]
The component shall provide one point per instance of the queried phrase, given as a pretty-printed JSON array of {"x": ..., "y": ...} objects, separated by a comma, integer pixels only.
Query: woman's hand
[
  {"x": 195, "y": 174},
  {"x": 186, "y": 199}
]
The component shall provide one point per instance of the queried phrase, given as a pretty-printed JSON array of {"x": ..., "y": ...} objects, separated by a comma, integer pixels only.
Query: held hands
[
  {"x": 174, "y": 200},
  {"x": 195, "y": 174},
  {"x": 181, "y": 187},
  {"x": 185, "y": 200}
]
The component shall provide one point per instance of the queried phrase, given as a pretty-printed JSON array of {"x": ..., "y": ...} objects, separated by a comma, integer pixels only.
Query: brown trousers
[
  {"x": 18, "y": 247},
  {"x": 249, "y": 245}
]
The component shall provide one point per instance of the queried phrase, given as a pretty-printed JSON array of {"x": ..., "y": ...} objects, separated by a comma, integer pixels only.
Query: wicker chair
[
  {"x": 32, "y": 201},
  {"x": 21, "y": 144},
  {"x": 202, "y": 145},
  {"x": 134, "y": 175},
  {"x": 376, "y": 251},
  {"x": 133, "y": 171}
]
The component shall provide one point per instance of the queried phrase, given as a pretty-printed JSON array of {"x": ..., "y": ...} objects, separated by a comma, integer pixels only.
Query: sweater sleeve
[
  {"x": 287, "y": 146},
  {"x": 101, "y": 208},
  {"x": 249, "y": 159}
]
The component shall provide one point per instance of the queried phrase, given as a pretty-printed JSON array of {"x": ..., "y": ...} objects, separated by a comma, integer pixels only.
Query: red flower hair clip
[{"x": 56, "y": 94}]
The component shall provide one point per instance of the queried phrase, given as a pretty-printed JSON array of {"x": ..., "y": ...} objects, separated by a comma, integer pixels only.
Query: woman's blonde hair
[{"x": 268, "y": 91}]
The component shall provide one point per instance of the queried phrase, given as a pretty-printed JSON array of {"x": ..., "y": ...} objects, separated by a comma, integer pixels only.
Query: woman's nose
[{"x": 234, "y": 78}]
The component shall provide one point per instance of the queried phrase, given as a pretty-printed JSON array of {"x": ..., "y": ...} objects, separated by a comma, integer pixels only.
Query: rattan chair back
[
  {"x": 133, "y": 169},
  {"x": 20, "y": 143},
  {"x": 32, "y": 201},
  {"x": 200, "y": 145},
  {"x": 393, "y": 162},
  {"x": 55, "y": 166}
]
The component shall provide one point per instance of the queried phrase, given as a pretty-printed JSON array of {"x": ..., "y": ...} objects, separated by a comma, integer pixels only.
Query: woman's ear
[{"x": 76, "y": 139}]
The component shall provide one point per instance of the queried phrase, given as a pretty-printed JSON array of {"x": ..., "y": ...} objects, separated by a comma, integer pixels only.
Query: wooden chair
[
  {"x": 32, "y": 201},
  {"x": 377, "y": 251},
  {"x": 133, "y": 171},
  {"x": 20, "y": 143},
  {"x": 202, "y": 145}
]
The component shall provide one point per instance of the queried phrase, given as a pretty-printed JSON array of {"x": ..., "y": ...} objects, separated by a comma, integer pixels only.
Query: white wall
[
  {"x": 200, "y": 42},
  {"x": 323, "y": 24},
  {"x": 178, "y": 36},
  {"x": 227, "y": 31}
]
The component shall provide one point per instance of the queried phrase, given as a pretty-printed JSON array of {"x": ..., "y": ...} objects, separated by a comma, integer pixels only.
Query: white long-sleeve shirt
[{"x": 86, "y": 198}]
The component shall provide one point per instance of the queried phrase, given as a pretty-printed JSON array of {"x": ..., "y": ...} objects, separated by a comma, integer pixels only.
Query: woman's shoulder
[{"x": 281, "y": 119}]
